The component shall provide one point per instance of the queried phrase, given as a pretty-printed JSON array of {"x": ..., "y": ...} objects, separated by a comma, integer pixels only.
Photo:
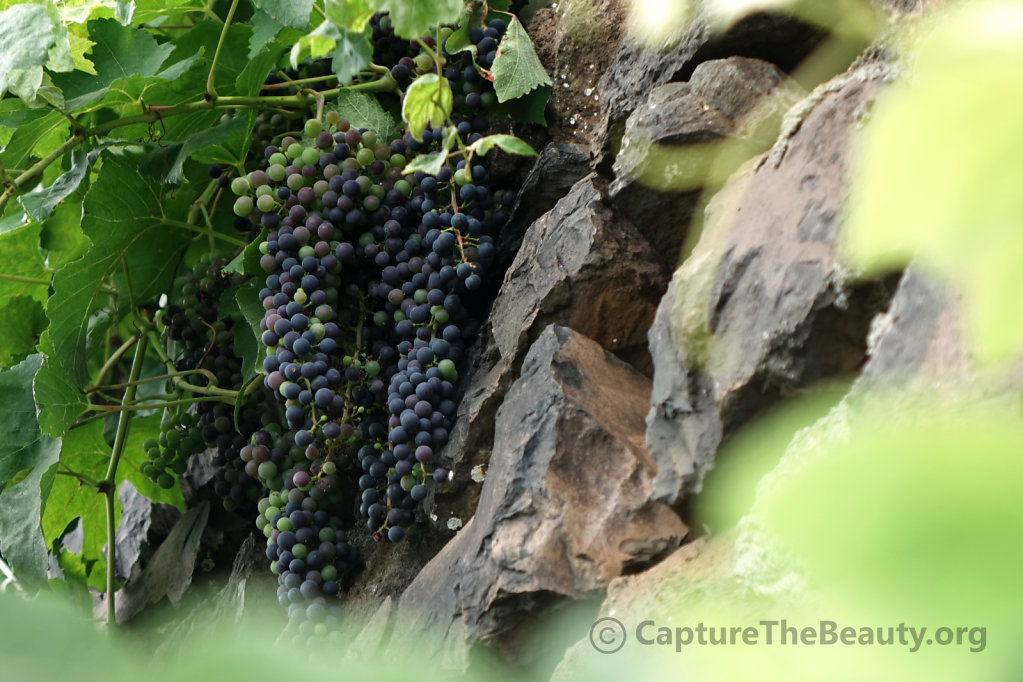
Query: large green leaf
[
  {"x": 62, "y": 238},
  {"x": 364, "y": 111},
  {"x": 517, "y": 70},
  {"x": 21, "y": 538},
  {"x": 348, "y": 14},
  {"x": 26, "y": 321},
  {"x": 427, "y": 103},
  {"x": 40, "y": 204},
  {"x": 58, "y": 400},
  {"x": 30, "y": 135},
  {"x": 26, "y": 34},
  {"x": 22, "y": 446},
  {"x": 245, "y": 299},
  {"x": 124, "y": 220},
  {"x": 264, "y": 28},
  {"x": 23, "y": 258},
  {"x": 939, "y": 174},
  {"x": 166, "y": 161},
  {"x": 120, "y": 52},
  {"x": 352, "y": 53},
  {"x": 294, "y": 13},
  {"x": 418, "y": 18}
]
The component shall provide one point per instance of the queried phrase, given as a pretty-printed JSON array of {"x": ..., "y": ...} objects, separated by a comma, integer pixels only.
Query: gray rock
[
  {"x": 761, "y": 308},
  {"x": 692, "y": 135},
  {"x": 565, "y": 507},
  {"x": 579, "y": 265}
]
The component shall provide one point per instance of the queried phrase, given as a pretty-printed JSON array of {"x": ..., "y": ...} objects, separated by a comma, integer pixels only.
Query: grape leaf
[
  {"x": 428, "y": 163},
  {"x": 41, "y": 203},
  {"x": 26, "y": 34},
  {"x": 167, "y": 160},
  {"x": 364, "y": 111},
  {"x": 247, "y": 298},
  {"x": 21, "y": 538},
  {"x": 354, "y": 51},
  {"x": 246, "y": 342},
  {"x": 19, "y": 338},
  {"x": 120, "y": 52},
  {"x": 517, "y": 70},
  {"x": 528, "y": 108},
  {"x": 416, "y": 18},
  {"x": 427, "y": 102},
  {"x": 264, "y": 28},
  {"x": 124, "y": 220},
  {"x": 250, "y": 80},
  {"x": 23, "y": 446},
  {"x": 24, "y": 258},
  {"x": 58, "y": 401},
  {"x": 317, "y": 43},
  {"x": 247, "y": 262},
  {"x": 349, "y": 14},
  {"x": 294, "y": 13},
  {"x": 508, "y": 143},
  {"x": 28, "y": 135},
  {"x": 62, "y": 238},
  {"x": 79, "y": 46}
]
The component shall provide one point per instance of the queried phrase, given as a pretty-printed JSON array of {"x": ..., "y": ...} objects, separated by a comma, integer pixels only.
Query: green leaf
[
  {"x": 417, "y": 18},
  {"x": 318, "y": 43},
  {"x": 120, "y": 52},
  {"x": 517, "y": 70},
  {"x": 247, "y": 262},
  {"x": 950, "y": 198},
  {"x": 427, "y": 102},
  {"x": 23, "y": 446},
  {"x": 124, "y": 220},
  {"x": 21, "y": 537},
  {"x": 364, "y": 111},
  {"x": 294, "y": 13},
  {"x": 167, "y": 160},
  {"x": 62, "y": 238},
  {"x": 508, "y": 143},
  {"x": 26, "y": 34},
  {"x": 40, "y": 204},
  {"x": 18, "y": 337},
  {"x": 245, "y": 299},
  {"x": 428, "y": 163},
  {"x": 353, "y": 53},
  {"x": 264, "y": 28},
  {"x": 527, "y": 109},
  {"x": 30, "y": 135},
  {"x": 458, "y": 41},
  {"x": 58, "y": 400},
  {"x": 79, "y": 46},
  {"x": 24, "y": 258},
  {"x": 349, "y": 14}
]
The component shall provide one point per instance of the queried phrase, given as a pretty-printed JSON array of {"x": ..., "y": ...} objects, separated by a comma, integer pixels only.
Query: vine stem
[
  {"x": 108, "y": 485},
  {"x": 114, "y": 357},
  {"x": 211, "y": 91}
]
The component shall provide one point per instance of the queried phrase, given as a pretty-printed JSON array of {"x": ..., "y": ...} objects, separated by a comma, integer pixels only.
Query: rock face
[
  {"x": 579, "y": 265},
  {"x": 565, "y": 507},
  {"x": 673, "y": 145},
  {"x": 762, "y": 307}
]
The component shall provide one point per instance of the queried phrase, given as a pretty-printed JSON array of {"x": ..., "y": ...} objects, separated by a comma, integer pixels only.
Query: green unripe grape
[
  {"x": 319, "y": 187},
  {"x": 311, "y": 155},
  {"x": 365, "y": 156},
  {"x": 351, "y": 163},
  {"x": 468, "y": 87},
  {"x": 444, "y": 32},
  {"x": 267, "y": 470},
  {"x": 328, "y": 572},
  {"x": 173, "y": 439},
  {"x": 441, "y": 316},
  {"x": 240, "y": 186},
  {"x": 369, "y": 139},
  {"x": 264, "y": 190},
  {"x": 160, "y": 462},
  {"x": 398, "y": 316},
  {"x": 271, "y": 512},
  {"x": 149, "y": 444},
  {"x": 187, "y": 419},
  {"x": 268, "y": 531},
  {"x": 306, "y": 252},
  {"x": 179, "y": 466},
  {"x": 420, "y": 296},
  {"x": 447, "y": 369},
  {"x": 372, "y": 368},
  {"x": 332, "y": 117},
  {"x": 283, "y": 524},
  {"x": 165, "y": 481},
  {"x": 261, "y": 522},
  {"x": 460, "y": 177},
  {"x": 275, "y": 498},
  {"x": 489, "y": 100},
  {"x": 294, "y": 150},
  {"x": 276, "y": 172},
  {"x": 404, "y": 187},
  {"x": 266, "y": 203},
  {"x": 318, "y": 330},
  {"x": 295, "y": 182},
  {"x": 424, "y": 63},
  {"x": 380, "y": 318},
  {"x": 312, "y": 127},
  {"x": 377, "y": 191},
  {"x": 371, "y": 203},
  {"x": 243, "y": 206},
  {"x": 329, "y": 469},
  {"x": 398, "y": 160},
  {"x": 300, "y": 296},
  {"x": 278, "y": 159},
  {"x": 300, "y": 550},
  {"x": 262, "y": 505},
  {"x": 408, "y": 482}
]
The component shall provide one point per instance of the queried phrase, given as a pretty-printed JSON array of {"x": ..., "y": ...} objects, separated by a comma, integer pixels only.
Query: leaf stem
[
  {"x": 111, "y": 361},
  {"x": 108, "y": 487},
  {"x": 211, "y": 91},
  {"x": 25, "y": 280},
  {"x": 36, "y": 169},
  {"x": 205, "y": 232}
]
